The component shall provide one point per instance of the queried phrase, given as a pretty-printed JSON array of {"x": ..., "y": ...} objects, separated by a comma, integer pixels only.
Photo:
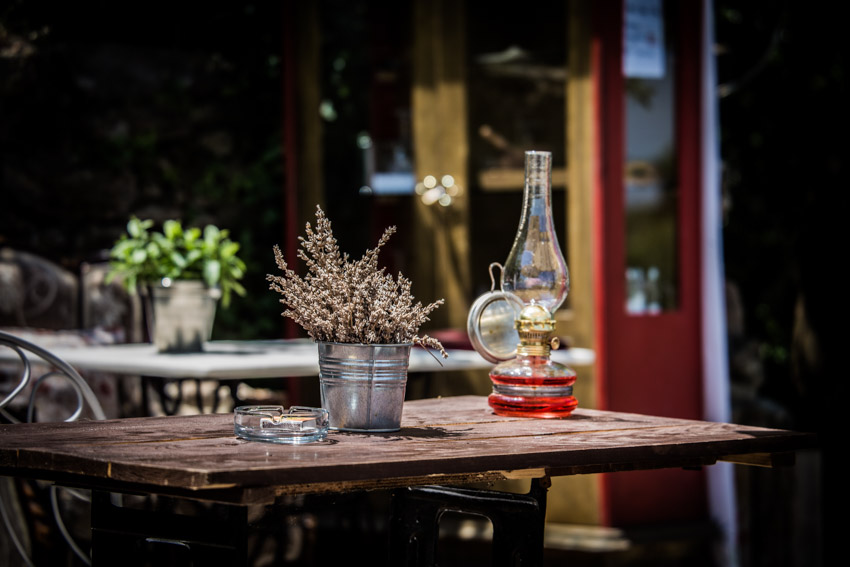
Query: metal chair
[
  {"x": 36, "y": 292},
  {"x": 85, "y": 397}
]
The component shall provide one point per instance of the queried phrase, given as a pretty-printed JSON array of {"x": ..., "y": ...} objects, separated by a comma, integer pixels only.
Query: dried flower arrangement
[{"x": 346, "y": 301}]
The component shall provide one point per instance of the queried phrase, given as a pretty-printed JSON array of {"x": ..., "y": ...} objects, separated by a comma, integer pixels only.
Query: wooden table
[{"x": 446, "y": 441}]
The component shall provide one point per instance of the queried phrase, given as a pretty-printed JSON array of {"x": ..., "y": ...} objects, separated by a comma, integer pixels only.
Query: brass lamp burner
[{"x": 535, "y": 326}]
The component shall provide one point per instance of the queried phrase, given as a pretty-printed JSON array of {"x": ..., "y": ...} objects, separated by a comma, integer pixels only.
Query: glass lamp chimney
[{"x": 536, "y": 271}]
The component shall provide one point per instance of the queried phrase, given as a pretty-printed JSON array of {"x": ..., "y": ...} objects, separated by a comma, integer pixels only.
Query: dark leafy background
[{"x": 159, "y": 109}]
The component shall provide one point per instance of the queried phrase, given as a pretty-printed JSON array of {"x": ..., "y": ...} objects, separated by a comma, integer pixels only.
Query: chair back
[
  {"x": 58, "y": 367},
  {"x": 10, "y": 509}
]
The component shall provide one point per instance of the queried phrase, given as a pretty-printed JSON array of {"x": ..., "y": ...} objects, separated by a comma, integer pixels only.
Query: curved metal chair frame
[{"x": 85, "y": 396}]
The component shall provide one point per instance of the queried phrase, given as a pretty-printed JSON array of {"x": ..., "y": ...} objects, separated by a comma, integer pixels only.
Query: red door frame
[{"x": 648, "y": 364}]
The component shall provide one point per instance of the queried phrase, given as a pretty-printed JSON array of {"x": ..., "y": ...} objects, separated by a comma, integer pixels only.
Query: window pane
[
  {"x": 651, "y": 180},
  {"x": 517, "y": 75}
]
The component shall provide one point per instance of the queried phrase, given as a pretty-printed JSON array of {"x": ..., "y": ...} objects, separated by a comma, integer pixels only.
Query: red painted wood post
[{"x": 648, "y": 364}]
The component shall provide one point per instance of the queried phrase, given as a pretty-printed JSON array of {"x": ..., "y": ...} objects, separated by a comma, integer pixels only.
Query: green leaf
[
  {"x": 192, "y": 234},
  {"x": 124, "y": 247},
  {"x": 139, "y": 256},
  {"x": 237, "y": 271},
  {"x": 211, "y": 235},
  {"x": 153, "y": 250},
  {"x": 193, "y": 256},
  {"x": 178, "y": 259},
  {"x": 172, "y": 229},
  {"x": 238, "y": 288},
  {"x": 229, "y": 249},
  {"x": 134, "y": 227},
  {"x": 212, "y": 272}
]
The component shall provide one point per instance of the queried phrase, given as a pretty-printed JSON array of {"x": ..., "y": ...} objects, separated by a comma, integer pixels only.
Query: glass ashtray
[{"x": 275, "y": 424}]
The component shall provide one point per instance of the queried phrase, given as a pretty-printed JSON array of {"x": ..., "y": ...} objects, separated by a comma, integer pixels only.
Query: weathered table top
[{"x": 442, "y": 441}]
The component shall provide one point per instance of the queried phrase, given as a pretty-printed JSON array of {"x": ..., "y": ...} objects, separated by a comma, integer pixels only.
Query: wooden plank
[
  {"x": 578, "y": 500},
  {"x": 441, "y": 146},
  {"x": 768, "y": 460},
  {"x": 441, "y": 441},
  {"x": 513, "y": 179},
  {"x": 576, "y": 318}
]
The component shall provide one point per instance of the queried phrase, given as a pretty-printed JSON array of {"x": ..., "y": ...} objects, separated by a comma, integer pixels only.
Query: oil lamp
[{"x": 534, "y": 283}]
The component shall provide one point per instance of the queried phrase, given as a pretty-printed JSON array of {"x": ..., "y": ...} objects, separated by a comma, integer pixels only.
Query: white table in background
[{"x": 239, "y": 360}]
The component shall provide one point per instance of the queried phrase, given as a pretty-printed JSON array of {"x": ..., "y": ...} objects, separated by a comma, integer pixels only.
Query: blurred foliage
[
  {"x": 153, "y": 109},
  {"x": 145, "y": 257},
  {"x": 783, "y": 83},
  {"x": 346, "y": 75}
]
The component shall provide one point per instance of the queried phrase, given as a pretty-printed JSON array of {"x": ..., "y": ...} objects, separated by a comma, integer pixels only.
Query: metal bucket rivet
[{"x": 363, "y": 386}]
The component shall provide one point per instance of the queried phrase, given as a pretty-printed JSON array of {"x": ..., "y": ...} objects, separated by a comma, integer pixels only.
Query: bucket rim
[{"x": 364, "y": 344}]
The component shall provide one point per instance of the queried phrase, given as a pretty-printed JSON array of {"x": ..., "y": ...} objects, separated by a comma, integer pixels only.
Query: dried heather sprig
[{"x": 349, "y": 302}]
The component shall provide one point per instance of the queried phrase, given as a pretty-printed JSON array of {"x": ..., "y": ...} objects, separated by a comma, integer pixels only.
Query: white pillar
[{"x": 716, "y": 394}]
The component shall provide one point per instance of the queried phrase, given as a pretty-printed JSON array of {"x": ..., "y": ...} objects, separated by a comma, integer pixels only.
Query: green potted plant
[
  {"x": 364, "y": 321},
  {"x": 182, "y": 273}
]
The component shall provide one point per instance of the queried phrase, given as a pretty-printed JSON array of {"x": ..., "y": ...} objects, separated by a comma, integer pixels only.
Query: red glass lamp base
[
  {"x": 533, "y": 386},
  {"x": 551, "y": 407}
]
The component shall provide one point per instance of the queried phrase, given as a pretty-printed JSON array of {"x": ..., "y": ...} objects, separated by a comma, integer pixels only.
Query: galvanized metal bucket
[{"x": 363, "y": 385}]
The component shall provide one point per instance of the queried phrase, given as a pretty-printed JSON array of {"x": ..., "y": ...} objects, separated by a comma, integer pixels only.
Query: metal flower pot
[
  {"x": 183, "y": 315},
  {"x": 363, "y": 386}
]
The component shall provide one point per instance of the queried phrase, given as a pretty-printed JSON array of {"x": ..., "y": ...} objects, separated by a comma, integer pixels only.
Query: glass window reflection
[{"x": 651, "y": 188}]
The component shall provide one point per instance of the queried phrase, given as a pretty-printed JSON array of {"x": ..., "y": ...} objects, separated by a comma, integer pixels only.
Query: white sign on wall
[{"x": 643, "y": 39}]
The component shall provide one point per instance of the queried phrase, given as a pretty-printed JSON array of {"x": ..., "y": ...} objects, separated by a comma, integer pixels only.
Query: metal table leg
[
  {"x": 518, "y": 521},
  {"x": 140, "y": 537}
]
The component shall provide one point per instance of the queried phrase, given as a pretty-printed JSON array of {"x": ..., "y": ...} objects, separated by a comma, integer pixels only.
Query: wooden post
[
  {"x": 441, "y": 234},
  {"x": 577, "y": 499}
]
